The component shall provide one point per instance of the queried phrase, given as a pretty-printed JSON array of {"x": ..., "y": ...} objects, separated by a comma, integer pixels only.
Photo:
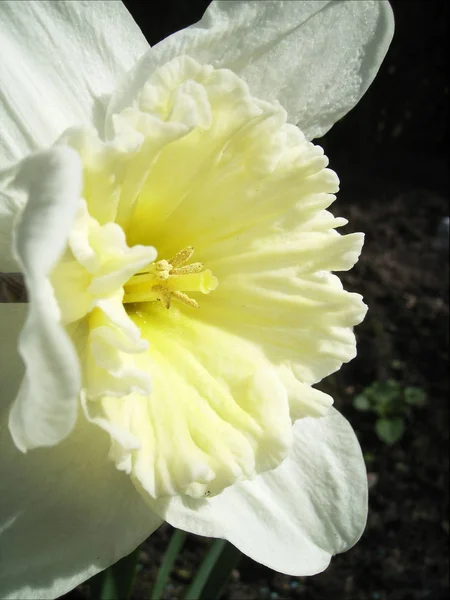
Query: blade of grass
[
  {"x": 220, "y": 574},
  {"x": 116, "y": 582},
  {"x": 195, "y": 589},
  {"x": 173, "y": 549}
]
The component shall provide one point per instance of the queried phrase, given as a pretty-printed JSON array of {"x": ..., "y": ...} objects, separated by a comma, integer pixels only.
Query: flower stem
[{"x": 175, "y": 545}]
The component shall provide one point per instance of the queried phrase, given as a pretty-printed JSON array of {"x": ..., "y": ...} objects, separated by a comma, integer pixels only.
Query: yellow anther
[
  {"x": 193, "y": 268},
  {"x": 163, "y": 269},
  {"x": 185, "y": 299},
  {"x": 182, "y": 257}
]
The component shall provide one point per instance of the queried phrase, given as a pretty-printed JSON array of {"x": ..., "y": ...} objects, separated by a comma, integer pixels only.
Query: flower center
[{"x": 167, "y": 279}]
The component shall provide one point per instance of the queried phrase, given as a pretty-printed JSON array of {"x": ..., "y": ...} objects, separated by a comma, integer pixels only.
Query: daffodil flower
[{"x": 168, "y": 212}]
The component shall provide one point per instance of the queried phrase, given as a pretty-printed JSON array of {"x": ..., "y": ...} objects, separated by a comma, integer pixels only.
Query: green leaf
[
  {"x": 389, "y": 431},
  {"x": 386, "y": 397},
  {"x": 196, "y": 588},
  {"x": 415, "y": 396},
  {"x": 362, "y": 402},
  {"x": 220, "y": 573},
  {"x": 388, "y": 389},
  {"x": 173, "y": 549},
  {"x": 116, "y": 582}
]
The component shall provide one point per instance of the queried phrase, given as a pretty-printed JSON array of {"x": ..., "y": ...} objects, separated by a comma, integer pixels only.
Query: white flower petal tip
[
  {"x": 66, "y": 57},
  {"x": 316, "y": 58},
  {"x": 295, "y": 518},
  {"x": 45, "y": 409}
]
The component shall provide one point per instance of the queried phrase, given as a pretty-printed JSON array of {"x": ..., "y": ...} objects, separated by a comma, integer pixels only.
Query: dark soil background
[{"x": 390, "y": 156}]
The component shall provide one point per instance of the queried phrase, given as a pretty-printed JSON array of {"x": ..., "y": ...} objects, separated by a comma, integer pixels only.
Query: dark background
[{"x": 391, "y": 155}]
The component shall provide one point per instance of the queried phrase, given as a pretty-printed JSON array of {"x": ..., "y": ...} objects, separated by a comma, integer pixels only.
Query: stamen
[
  {"x": 182, "y": 257},
  {"x": 167, "y": 279},
  {"x": 164, "y": 293},
  {"x": 194, "y": 268},
  {"x": 186, "y": 299}
]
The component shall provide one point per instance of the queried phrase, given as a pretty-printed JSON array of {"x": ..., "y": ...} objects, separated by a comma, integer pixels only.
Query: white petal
[
  {"x": 45, "y": 409},
  {"x": 292, "y": 519},
  {"x": 317, "y": 58},
  {"x": 66, "y": 513},
  {"x": 59, "y": 62}
]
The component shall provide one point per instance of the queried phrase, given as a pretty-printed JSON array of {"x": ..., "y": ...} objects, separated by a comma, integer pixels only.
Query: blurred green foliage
[{"x": 392, "y": 404}]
